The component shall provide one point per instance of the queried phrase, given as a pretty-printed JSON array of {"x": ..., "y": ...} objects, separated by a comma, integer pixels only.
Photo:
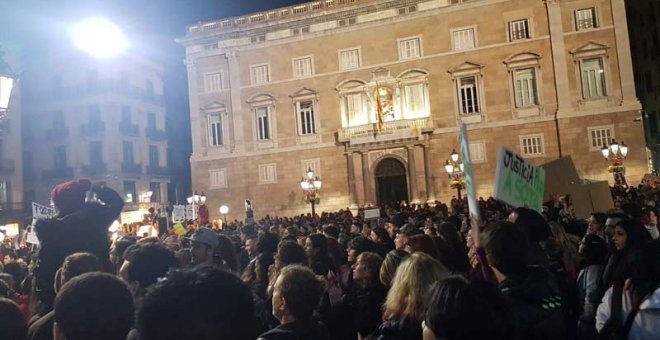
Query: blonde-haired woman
[{"x": 408, "y": 297}]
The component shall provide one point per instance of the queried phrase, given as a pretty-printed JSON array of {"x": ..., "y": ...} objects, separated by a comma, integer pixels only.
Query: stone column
[
  {"x": 352, "y": 190},
  {"x": 367, "y": 179},
  {"x": 623, "y": 52},
  {"x": 412, "y": 175},
  {"x": 559, "y": 56},
  {"x": 428, "y": 175},
  {"x": 236, "y": 130}
]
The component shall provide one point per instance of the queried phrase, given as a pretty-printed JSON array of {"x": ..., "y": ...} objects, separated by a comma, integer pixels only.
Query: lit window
[
  {"x": 468, "y": 95},
  {"x": 306, "y": 120},
  {"x": 355, "y": 109},
  {"x": 414, "y": 97},
  {"x": 524, "y": 82},
  {"x": 593, "y": 78}
]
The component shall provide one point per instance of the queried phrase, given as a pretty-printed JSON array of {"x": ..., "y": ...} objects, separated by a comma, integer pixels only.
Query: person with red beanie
[{"x": 79, "y": 226}]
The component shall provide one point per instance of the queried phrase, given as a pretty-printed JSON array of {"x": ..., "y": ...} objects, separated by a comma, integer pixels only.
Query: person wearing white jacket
[{"x": 642, "y": 290}]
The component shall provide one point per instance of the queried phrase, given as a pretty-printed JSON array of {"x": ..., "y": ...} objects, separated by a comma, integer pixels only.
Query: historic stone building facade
[{"x": 275, "y": 93}]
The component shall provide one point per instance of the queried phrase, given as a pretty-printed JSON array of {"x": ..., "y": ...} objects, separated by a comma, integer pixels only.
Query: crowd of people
[{"x": 417, "y": 272}]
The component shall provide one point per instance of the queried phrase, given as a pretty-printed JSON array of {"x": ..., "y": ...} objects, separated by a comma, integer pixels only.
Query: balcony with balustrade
[
  {"x": 156, "y": 170},
  {"x": 95, "y": 129},
  {"x": 155, "y": 134},
  {"x": 131, "y": 168},
  {"x": 129, "y": 130},
  {"x": 398, "y": 129}
]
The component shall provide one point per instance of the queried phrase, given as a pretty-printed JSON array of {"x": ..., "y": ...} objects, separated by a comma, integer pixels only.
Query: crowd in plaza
[{"x": 418, "y": 272}]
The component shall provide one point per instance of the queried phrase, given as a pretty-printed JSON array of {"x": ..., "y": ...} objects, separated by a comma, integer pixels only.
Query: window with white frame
[
  {"x": 306, "y": 119},
  {"x": 532, "y": 146},
  {"x": 267, "y": 173},
  {"x": 519, "y": 30},
  {"x": 216, "y": 132},
  {"x": 592, "y": 75},
  {"x": 414, "y": 96},
  {"x": 260, "y": 74},
  {"x": 213, "y": 82},
  {"x": 478, "y": 152},
  {"x": 524, "y": 84},
  {"x": 468, "y": 95},
  {"x": 410, "y": 48},
  {"x": 263, "y": 122},
  {"x": 349, "y": 59},
  {"x": 303, "y": 67},
  {"x": 586, "y": 18},
  {"x": 218, "y": 178},
  {"x": 355, "y": 111},
  {"x": 463, "y": 39},
  {"x": 313, "y": 164},
  {"x": 600, "y": 136}
]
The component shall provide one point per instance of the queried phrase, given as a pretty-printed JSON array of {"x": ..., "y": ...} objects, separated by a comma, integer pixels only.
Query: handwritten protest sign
[
  {"x": 41, "y": 211},
  {"x": 468, "y": 175},
  {"x": 178, "y": 213},
  {"x": 135, "y": 216},
  {"x": 518, "y": 182},
  {"x": 189, "y": 212}
]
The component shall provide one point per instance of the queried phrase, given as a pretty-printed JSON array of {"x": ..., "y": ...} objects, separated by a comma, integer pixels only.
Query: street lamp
[
  {"x": 224, "y": 210},
  {"x": 7, "y": 77},
  {"x": 616, "y": 153},
  {"x": 196, "y": 199},
  {"x": 455, "y": 172},
  {"x": 311, "y": 185}
]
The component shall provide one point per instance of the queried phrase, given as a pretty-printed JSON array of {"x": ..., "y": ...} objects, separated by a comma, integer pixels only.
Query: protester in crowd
[
  {"x": 408, "y": 298},
  {"x": 78, "y": 226},
  {"x": 402, "y": 238},
  {"x": 423, "y": 243},
  {"x": 650, "y": 220},
  {"x": 117, "y": 250},
  {"x": 204, "y": 243},
  {"x": 596, "y": 224},
  {"x": 364, "y": 301},
  {"x": 146, "y": 264},
  {"x": 390, "y": 265},
  {"x": 382, "y": 240},
  {"x": 296, "y": 295},
  {"x": 249, "y": 251},
  {"x": 316, "y": 247},
  {"x": 454, "y": 252},
  {"x": 22, "y": 301},
  {"x": 467, "y": 310},
  {"x": 225, "y": 254},
  {"x": 533, "y": 295},
  {"x": 593, "y": 251},
  {"x": 357, "y": 246},
  {"x": 74, "y": 265},
  {"x": 536, "y": 230},
  {"x": 629, "y": 238},
  {"x": 632, "y": 309},
  {"x": 201, "y": 303},
  {"x": 93, "y": 306},
  {"x": 12, "y": 322}
]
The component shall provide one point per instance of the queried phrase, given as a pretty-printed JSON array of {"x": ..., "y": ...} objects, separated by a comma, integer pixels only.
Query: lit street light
[
  {"x": 224, "y": 210},
  {"x": 99, "y": 37},
  {"x": 616, "y": 153},
  {"x": 196, "y": 199},
  {"x": 455, "y": 172},
  {"x": 311, "y": 185}
]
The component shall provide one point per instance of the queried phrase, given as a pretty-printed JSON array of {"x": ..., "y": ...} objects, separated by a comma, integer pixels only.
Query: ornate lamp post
[
  {"x": 311, "y": 185},
  {"x": 7, "y": 77},
  {"x": 224, "y": 210},
  {"x": 455, "y": 172},
  {"x": 616, "y": 153},
  {"x": 196, "y": 199}
]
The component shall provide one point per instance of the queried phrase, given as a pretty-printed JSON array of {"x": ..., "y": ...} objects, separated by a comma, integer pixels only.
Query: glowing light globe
[{"x": 99, "y": 37}]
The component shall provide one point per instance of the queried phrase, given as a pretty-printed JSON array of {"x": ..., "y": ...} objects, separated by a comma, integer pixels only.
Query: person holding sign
[{"x": 78, "y": 226}]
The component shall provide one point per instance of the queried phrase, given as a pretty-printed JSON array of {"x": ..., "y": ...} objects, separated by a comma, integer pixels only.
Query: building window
[
  {"x": 600, "y": 136},
  {"x": 410, "y": 48},
  {"x": 306, "y": 120},
  {"x": 519, "y": 30},
  {"x": 355, "y": 109},
  {"x": 213, "y": 82},
  {"x": 95, "y": 154},
  {"x": 153, "y": 156},
  {"x": 478, "y": 152},
  {"x": 218, "y": 178},
  {"x": 532, "y": 146},
  {"x": 154, "y": 187},
  {"x": 59, "y": 157},
  {"x": 151, "y": 121},
  {"x": 216, "y": 134},
  {"x": 260, "y": 74},
  {"x": 258, "y": 38},
  {"x": 346, "y": 22},
  {"x": 524, "y": 83},
  {"x": 592, "y": 73},
  {"x": 263, "y": 122},
  {"x": 463, "y": 39},
  {"x": 303, "y": 67},
  {"x": 586, "y": 18},
  {"x": 313, "y": 164},
  {"x": 414, "y": 100},
  {"x": 468, "y": 94},
  {"x": 267, "y": 173},
  {"x": 349, "y": 59},
  {"x": 128, "y": 153},
  {"x": 130, "y": 191},
  {"x": 5, "y": 192}
]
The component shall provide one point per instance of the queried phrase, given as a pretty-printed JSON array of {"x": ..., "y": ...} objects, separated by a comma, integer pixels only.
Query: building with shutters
[{"x": 278, "y": 92}]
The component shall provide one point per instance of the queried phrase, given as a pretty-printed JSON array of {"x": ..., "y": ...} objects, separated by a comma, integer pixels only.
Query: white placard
[
  {"x": 42, "y": 211},
  {"x": 178, "y": 213},
  {"x": 32, "y": 238},
  {"x": 371, "y": 214},
  {"x": 468, "y": 175}
]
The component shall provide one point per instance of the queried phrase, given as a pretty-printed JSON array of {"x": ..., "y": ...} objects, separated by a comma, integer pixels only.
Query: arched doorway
[{"x": 391, "y": 181}]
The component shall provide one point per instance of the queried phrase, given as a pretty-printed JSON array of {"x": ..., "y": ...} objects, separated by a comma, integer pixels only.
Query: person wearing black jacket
[{"x": 79, "y": 226}]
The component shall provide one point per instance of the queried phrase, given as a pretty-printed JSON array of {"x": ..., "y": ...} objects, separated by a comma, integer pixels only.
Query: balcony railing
[
  {"x": 93, "y": 129},
  {"x": 156, "y": 170},
  {"x": 94, "y": 170},
  {"x": 58, "y": 173},
  {"x": 412, "y": 126},
  {"x": 7, "y": 167},
  {"x": 131, "y": 168},
  {"x": 155, "y": 134},
  {"x": 128, "y": 129},
  {"x": 57, "y": 132}
]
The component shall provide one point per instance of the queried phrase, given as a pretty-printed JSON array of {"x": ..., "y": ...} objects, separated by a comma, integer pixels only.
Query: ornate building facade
[{"x": 275, "y": 93}]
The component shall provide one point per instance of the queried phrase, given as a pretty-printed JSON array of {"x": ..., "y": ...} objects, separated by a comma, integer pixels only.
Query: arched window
[
  {"x": 415, "y": 95},
  {"x": 353, "y": 103}
]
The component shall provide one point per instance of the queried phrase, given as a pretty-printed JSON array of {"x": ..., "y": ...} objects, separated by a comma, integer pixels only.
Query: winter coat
[
  {"x": 400, "y": 329},
  {"x": 298, "y": 330},
  {"x": 647, "y": 321},
  {"x": 536, "y": 304},
  {"x": 83, "y": 231}
]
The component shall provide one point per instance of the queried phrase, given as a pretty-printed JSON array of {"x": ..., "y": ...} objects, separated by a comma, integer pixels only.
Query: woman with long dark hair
[
  {"x": 316, "y": 247},
  {"x": 629, "y": 238}
]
